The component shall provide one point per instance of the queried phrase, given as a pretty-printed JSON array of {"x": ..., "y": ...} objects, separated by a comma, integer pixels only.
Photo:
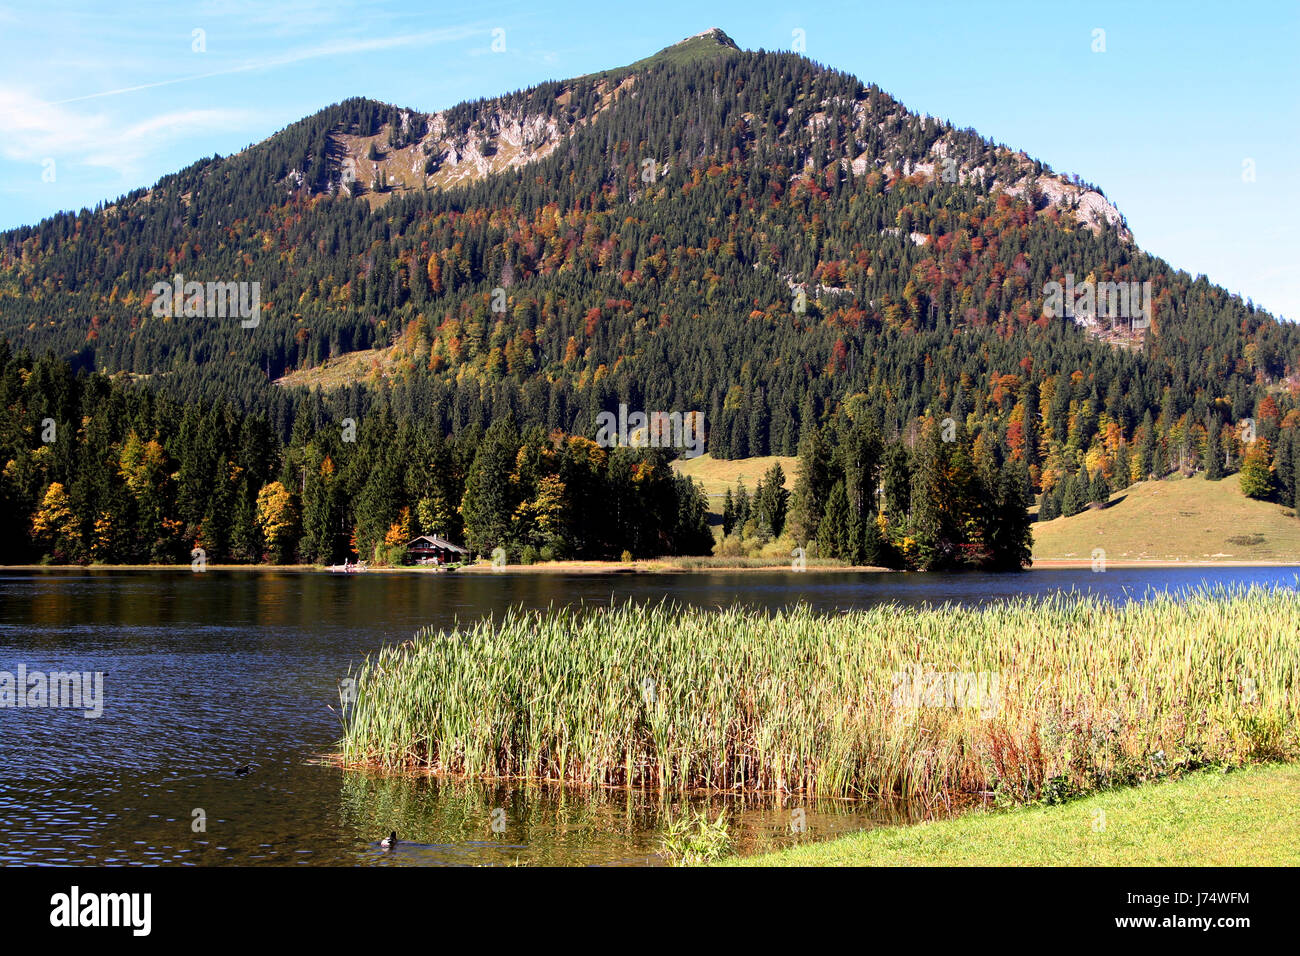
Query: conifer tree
[
  {"x": 1047, "y": 509},
  {"x": 1010, "y": 536},
  {"x": 488, "y": 503},
  {"x": 1213, "y": 451},
  {"x": 832, "y": 533},
  {"x": 1147, "y": 447},
  {"x": 1098, "y": 489},
  {"x": 1076, "y": 494}
]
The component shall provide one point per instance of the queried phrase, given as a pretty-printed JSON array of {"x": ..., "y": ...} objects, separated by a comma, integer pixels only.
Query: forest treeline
[{"x": 101, "y": 470}]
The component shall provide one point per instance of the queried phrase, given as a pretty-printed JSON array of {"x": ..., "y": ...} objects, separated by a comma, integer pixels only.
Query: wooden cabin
[{"x": 431, "y": 549}]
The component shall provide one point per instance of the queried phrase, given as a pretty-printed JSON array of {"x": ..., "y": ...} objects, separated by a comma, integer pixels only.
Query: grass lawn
[
  {"x": 1244, "y": 818},
  {"x": 1188, "y": 519}
]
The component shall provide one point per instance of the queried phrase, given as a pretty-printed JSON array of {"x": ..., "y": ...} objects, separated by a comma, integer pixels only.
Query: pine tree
[
  {"x": 832, "y": 533},
  {"x": 1283, "y": 465},
  {"x": 1076, "y": 495},
  {"x": 742, "y": 507},
  {"x": 378, "y": 506},
  {"x": 1147, "y": 447},
  {"x": 1030, "y": 423},
  {"x": 860, "y": 465},
  {"x": 488, "y": 503},
  {"x": 1010, "y": 536},
  {"x": 320, "y": 511},
  {"x": 762, "y": 521},
  {"x": 1098, "y": 489},
  {"x": 1295, "y": 472},
  {"x": 1123, "y": 468},
  {"x": 812, "y": 485},
  {"x": 1047, "y": 509},
  {"x": 931, "y": 497},
  {"x": 772, "y": 500},
  {"x": 691, "y": 534},
  {"x": 1213, "y": 451},
  {"x": 898, "y": 484},
  {"x": 246, "y": 539}
]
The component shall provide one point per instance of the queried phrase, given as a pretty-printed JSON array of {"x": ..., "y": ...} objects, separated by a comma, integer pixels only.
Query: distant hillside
[
  {"x": 1188, "y": 519},
  {"x": 751, "y": 235}
]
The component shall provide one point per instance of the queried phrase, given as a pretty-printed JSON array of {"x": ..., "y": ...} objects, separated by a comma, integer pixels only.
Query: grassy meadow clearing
[
  {"x": 1033, "y": 699},
  {"x": 1175, "y": 520},
  {"x": 717, "y": 476}
]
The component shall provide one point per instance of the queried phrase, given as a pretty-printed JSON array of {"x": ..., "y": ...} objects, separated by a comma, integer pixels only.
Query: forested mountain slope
[{"x": 747, "y": 234}]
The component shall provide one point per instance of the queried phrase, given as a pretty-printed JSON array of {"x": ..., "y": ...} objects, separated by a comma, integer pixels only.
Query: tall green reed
[{"x": 1031, "y": 696}]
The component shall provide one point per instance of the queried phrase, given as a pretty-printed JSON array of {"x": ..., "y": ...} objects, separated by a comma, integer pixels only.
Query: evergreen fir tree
[
  {"x": 1147, "y": 447},
  {"x": 832, "y": 534},
  {"x": 1213, "y": 451},
  {"x": 930, "y": 496},
  {"x": 1099, "y": 489},
  {"x": 1076, "y": 495},
  {"x": 742, "y": 506},
  {"x": 489, "y": 503},
  {"x": 1010, "y": 537},
  {"x": 1047, "y": 507}
]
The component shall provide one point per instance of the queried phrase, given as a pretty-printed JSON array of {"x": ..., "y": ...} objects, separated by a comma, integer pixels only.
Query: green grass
[
  {"x": 717, "y": 475},
  {"x": 1245, "y": 818},
  {"x": 685, "y": 52},
  {"x": 1188, "y": 519},
  {"x": 1026, "y": 699}
]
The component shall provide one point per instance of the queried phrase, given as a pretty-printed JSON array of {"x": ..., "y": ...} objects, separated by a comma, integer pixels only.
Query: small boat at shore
[{"x": 346, "y": 568}]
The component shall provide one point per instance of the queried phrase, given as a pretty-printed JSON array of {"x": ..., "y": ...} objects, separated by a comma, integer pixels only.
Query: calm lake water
[{"x": 206, "y": 673}]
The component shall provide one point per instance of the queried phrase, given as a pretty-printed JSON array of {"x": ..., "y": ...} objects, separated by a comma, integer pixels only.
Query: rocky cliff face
[{"x": 435, "y": 151}]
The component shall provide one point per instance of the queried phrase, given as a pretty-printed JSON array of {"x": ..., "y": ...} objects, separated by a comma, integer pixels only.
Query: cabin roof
[{"x": 433, "y": 541}]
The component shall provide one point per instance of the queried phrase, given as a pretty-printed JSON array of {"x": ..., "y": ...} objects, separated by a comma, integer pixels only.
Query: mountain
[{"x": 747, "y": 234}]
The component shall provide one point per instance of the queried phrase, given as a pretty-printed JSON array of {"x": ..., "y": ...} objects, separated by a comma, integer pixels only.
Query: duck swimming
[{"x": 389, "y": 841}]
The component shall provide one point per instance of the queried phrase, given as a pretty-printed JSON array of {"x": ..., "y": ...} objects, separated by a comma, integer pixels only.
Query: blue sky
[{"x": 99, "y": 98}]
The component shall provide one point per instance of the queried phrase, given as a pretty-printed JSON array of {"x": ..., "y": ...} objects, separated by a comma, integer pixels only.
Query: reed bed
[{"x": 1027, "y": 699}]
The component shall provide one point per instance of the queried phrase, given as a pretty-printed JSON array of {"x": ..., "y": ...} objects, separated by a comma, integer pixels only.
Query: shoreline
[
  {"x": 649, "y": 566},
  {"x": 552, "y": 567}
]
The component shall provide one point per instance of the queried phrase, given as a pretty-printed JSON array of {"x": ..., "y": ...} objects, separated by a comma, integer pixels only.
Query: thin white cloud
[
  {"x": 334, "y": 48},
  {"x": 36, "y": 131},
  {"x": 124, "y": 151}
]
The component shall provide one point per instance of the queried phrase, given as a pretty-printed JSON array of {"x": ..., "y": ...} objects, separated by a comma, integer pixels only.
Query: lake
[{"x": 208, "y": 672}]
